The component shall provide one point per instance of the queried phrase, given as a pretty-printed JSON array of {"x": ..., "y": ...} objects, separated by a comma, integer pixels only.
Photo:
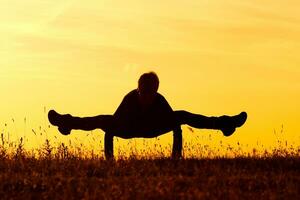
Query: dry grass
[{"x": 64, "y": 173}]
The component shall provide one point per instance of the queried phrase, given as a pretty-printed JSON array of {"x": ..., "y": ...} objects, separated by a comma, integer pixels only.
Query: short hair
[{"x": 148, "y": 82}]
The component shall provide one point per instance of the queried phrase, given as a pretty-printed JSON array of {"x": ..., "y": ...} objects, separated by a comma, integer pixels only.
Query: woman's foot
[
  {"x": 229, "y": 124},
  {"x": 62, "y": 121},
  {"x": 240, "y": 119}
]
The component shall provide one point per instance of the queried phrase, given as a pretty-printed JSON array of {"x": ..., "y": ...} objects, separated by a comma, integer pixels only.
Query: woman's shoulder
[
  {"x": 132, "y": 94},
  {"x": 160, "y": 96}
]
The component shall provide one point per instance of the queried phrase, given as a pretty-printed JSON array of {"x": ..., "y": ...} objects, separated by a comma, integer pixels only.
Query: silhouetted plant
[
  {"x": 20, "y": 151},
  {"x": 46, "y": 150}
]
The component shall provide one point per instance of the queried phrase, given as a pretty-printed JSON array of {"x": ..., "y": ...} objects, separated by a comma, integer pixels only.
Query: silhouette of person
[{"x": 144, "y": 113}]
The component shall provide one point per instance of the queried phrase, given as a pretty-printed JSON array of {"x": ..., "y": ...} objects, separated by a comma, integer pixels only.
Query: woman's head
[
  {"x": 147, "y": 88},
  {"x": 148, "y": 83}
]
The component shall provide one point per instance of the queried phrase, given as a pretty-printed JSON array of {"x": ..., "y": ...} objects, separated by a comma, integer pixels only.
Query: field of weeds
[{"x": 57, "y": 173}]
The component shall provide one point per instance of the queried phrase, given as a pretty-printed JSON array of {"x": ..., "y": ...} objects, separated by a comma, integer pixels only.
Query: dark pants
[{"x": 153, "y": 128}]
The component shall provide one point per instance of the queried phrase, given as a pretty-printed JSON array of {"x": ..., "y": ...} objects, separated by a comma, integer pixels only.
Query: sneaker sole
[
  {"x": 243, "y": 118},
  {"x": 53, "y": 117}
]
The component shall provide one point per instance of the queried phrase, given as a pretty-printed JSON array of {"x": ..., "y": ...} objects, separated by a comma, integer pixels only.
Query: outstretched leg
[
  {"x": 227, "y": 124},
  {"x": 67, "y": 122}
]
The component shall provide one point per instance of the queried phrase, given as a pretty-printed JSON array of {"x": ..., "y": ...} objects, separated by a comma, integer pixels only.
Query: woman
[{"x": 145, "y": 113}]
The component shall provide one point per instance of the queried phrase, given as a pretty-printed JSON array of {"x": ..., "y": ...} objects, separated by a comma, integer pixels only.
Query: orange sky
[{"x": 212, "y": 57}]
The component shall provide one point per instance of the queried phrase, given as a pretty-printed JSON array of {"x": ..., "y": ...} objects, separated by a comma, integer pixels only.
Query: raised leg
[
  {"x": 227, "y": 124},
  {"x": 67, "y": 122}
]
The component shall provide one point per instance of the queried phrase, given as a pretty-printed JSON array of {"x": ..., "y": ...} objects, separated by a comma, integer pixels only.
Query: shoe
[
  {"x": 231, "y": 123},
  {"x": 240, "y": 119},
  {"x": 61, "y": 121},
  {"x": 228, "y": 131},
  {"x": 64, "y": 130},
  {"x": 54, "y": 117}
]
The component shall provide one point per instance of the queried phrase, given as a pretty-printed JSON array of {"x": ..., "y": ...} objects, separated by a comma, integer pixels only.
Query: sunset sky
[{"x": 213, "y": 58}]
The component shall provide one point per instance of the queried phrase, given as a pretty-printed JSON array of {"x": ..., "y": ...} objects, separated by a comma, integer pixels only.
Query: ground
[{"x": 161, "y": 178}]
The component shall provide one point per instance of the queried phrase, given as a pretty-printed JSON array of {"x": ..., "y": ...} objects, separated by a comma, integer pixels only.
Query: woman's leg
[
  {"x": 227, "y": 124},
  {"x": 67, "y": 122}
]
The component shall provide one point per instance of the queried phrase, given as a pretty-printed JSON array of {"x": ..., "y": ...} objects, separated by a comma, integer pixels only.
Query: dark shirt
[{"x": 133, "y": 117}]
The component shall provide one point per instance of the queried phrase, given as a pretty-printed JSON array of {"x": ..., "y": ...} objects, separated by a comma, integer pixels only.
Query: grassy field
[{"x": 62, "y": 175}]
